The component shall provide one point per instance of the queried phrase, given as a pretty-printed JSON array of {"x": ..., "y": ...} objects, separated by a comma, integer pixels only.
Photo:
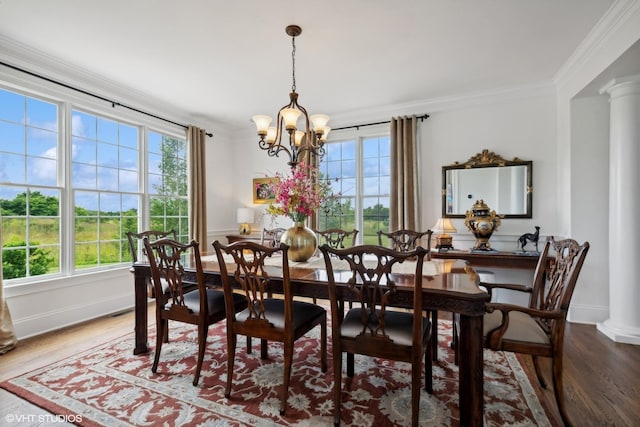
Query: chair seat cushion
[
  {"x": 215, "y": 300},
  {"x": 303, "y": 312},
  {"x": 398, "y": 326},
  {"x": 522, "y": 327}
]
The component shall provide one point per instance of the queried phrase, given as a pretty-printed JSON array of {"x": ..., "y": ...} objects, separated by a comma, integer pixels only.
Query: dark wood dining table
[{"x": 447, "y": 285}]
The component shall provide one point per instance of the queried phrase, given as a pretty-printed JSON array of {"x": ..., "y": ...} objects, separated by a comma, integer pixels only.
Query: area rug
[{"x": 109, "y": 386}]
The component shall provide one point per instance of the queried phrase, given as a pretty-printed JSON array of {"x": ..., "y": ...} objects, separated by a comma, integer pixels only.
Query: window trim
[
  {"x": 67, "y": 101},
  {"x": 358, "y": 135}
]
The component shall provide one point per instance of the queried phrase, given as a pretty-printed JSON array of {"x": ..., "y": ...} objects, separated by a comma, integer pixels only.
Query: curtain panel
[
  {"x": 196, "y": 139},
  {"x": 404, "y": 204}
]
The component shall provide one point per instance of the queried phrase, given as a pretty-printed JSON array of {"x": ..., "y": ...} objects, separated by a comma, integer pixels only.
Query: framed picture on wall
[{"x": 261, "y": 190}]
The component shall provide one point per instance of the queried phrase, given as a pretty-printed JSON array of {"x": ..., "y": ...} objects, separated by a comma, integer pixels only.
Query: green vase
[{"x": 301, "y": 240}]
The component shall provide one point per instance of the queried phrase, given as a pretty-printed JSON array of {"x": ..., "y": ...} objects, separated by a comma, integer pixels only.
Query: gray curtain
[
  {"x": 7, "y": 336},
  {"x": 196, "y": 139},
  {"x": 404, "y": 206}
]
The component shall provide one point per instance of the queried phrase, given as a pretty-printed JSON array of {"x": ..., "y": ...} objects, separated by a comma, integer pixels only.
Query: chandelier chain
[{"x": 293, "y": 63}]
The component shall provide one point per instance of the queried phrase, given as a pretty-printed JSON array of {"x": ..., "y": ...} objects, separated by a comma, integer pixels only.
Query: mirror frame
[{"x": 489, "y": 159}]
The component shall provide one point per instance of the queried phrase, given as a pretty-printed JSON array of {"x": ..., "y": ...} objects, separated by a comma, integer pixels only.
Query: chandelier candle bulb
[
  {"x": 319, "y": 122},
  {"x": 262, "y": 123}
]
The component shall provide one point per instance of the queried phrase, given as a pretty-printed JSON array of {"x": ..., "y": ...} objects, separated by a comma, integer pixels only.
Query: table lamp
[
  {"x": 244, "y": 218},
  {"x": 444, "y": 241}
]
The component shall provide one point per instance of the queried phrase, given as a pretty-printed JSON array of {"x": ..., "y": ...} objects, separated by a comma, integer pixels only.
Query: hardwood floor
[{"x": 602, "y": 378}]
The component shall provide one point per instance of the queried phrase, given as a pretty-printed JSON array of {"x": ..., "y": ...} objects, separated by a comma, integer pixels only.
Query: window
[
  {"x": 104, "y": 179},
  {"x": 167, "y": 159},
  {"x": 29, "y": 194},
  {"x": 122, "y": 176},
  {"x": 358, "y": 169}
]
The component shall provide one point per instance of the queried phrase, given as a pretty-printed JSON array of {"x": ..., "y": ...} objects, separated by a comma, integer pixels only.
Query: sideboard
[{"x": 520, "y": 260}]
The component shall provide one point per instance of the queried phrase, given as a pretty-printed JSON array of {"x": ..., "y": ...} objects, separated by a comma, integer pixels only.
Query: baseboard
[
  {"x": 70, "y": 315},
  {"x": 588, "y": 314}
]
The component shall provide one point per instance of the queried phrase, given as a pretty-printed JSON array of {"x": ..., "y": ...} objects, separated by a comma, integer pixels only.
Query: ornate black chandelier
[{"x": 307, "y": 139}]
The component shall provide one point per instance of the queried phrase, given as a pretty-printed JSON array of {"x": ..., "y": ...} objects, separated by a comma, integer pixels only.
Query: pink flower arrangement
[{"x": 300, "y": 194}]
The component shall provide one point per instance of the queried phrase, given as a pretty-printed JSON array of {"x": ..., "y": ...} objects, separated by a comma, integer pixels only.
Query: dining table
[{"x": 447, "y": 285}]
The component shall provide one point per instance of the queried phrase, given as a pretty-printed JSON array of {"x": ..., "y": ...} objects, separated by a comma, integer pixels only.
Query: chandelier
[{"x": 301, "y": 140}]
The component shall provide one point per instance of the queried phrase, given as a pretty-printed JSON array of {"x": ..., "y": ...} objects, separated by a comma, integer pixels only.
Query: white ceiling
[{"x": 228, "y": 60}]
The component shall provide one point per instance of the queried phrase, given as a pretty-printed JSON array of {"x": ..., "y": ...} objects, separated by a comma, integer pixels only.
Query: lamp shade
[
  {"x": 444, "y": 226},
  {"x": 443, "y": 240},
  {"x": 244, "y": 215}
]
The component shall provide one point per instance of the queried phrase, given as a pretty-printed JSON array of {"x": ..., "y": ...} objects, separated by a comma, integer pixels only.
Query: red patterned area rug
[{"x": 109, "y": 386}]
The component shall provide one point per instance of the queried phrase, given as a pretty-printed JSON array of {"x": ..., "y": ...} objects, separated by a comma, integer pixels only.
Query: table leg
[
  {"x": 140, "y": 299},
  {"x": 471, "y": 371}
]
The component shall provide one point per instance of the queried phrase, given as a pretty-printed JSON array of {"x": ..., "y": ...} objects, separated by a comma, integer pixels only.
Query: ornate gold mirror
[{"x": 505, "y": 185}]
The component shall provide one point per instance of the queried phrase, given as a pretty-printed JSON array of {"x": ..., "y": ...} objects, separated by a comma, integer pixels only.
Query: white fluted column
[{"x": 623, "y": 324}]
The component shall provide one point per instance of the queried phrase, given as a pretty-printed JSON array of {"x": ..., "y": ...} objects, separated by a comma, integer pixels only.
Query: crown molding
[
  {"x": 617, "y": 15},
  {"x": 446, "y": 103}
]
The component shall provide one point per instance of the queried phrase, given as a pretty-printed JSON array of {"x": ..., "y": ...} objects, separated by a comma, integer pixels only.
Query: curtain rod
[
  {"x": 113, "y": 103},
  {"x": 422, "y": 118}
]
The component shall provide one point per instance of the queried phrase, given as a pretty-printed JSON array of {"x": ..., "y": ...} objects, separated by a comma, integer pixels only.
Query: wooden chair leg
[
  {"x": 161, "y": 325},
  {"x": 166, "y": 333},
  {"x": 558, "y": 389},
  {"x": 323, "y": 346},
  {"x": 264, "y": 349},
  {"x": 337, "y": 385},
  {"x": 288, "y": 360},
  {"x": 434, "y": 341},
  {"x": 202, "y": 345},
  {"x": 428, "y": 372},
  {"x": 350, "y": 365},
  {"x": 248, "y": 344},
  {"x": 231, "y": 355},
  {"x": 454, "y": 341},
  {"x": 536, "y": 365},
  {"x": 416, "y": 375}
]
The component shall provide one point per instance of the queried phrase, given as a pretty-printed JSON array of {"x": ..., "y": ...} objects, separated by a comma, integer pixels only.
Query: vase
[
  {"x": 301, "y": 240},
  {"x": 482, "y": 222}
]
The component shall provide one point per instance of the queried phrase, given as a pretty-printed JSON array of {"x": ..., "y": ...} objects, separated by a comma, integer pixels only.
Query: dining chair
[
  {"x": 270, "y": 319},
  {"x": 407, "y": 240},
  {"x": 335, "y": 237},
  {"x": 271, "y": 236},
  {"x": 137, "y": 248},
  {"x": 201, "y": 307},
  {"x": 538, "y": 329},
  {"x": 374, "y": 328}
]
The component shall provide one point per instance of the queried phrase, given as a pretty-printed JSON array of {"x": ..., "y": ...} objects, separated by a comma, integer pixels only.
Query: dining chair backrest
[
  {"x": 555, "y": 293},
  {"x": 135, "y": 241},
  {"x": 335, "y": 237},
  {"x": 371, "y": 282},
  {"x": 405, "y": 240},
  {"x": 251, "y": 273},
  {"x": 166, "y": 258}
]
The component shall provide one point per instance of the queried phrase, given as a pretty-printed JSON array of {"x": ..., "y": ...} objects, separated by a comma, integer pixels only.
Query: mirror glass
[{"x": 505, "y": 186}]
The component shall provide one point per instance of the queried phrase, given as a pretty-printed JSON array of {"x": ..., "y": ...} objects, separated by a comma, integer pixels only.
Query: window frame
[
  {"x": 359, "y": 135},
  {"x": 68, "y": 101}
]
